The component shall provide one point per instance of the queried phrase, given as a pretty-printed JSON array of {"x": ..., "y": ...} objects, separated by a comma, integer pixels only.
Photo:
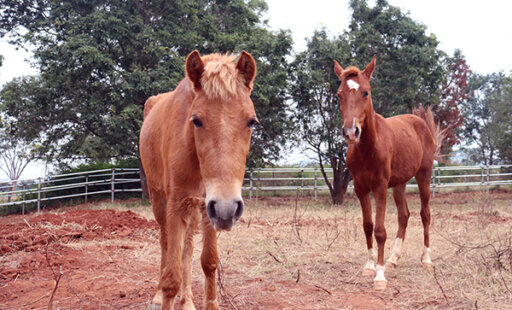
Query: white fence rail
[{"x": 116, "y": 180}]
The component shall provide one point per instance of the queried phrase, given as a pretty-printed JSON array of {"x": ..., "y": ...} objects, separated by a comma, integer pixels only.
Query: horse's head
[
  {"x": 222, "y": 117},
  {"x": 355, "y": 98}
]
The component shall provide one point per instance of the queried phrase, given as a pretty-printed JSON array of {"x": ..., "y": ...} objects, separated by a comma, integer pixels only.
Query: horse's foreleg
[
  {"x": 380, "y": 281},
  {"x": 186, "y": 296},
  {"x": 209, "y": 261},
  {"x": 366, "y": 207},
  {"x": 170, "y": 280},
  {"x": 403, "y": 218},
  {"x": 424, "y": 187},
  {"x": 158, "y": 202}
]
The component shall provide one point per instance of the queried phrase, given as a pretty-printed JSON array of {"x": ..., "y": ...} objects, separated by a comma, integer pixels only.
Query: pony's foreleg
[
  {"x": 186, "y": 296},
  {"x": 403, "y": 218},
  {"x": 170, "y": 281},
  {"x": 366, "y": 207},
  {"x": 209, "y": 261},
  {"x": 424, "y": 187},
  {"x": 380, "y": 282}
]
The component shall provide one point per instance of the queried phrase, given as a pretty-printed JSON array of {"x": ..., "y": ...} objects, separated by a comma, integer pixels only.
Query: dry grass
[{"x": 324, "y": 246}]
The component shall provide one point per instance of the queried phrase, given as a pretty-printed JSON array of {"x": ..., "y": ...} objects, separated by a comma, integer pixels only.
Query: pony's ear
[
  {"x": 337, "y": 69},
  {"x": 368, "y": 71},
  {"x": 246, "y": 67},
  {"x": 195, "y": 68}
]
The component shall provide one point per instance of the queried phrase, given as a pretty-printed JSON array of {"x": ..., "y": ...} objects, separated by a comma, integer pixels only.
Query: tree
[
  {"x": 100, "y": 60},
  {"x": 15, "y": 153},
  {"x": 454, "y": 94},
  {"x": 487, "y": 126},
  {"x": 317, "y": 115},
  {"x": 409, "y": 69}
]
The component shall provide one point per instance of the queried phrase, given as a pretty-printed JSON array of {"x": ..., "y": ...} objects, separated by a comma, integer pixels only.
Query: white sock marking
[
  {"x": 395, "y": 251},
  {"x": 380, "y": 274},
  {"x": 370, "y": 263}
]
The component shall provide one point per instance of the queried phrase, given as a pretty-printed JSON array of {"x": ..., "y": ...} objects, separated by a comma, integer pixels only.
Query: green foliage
[
  {"x": 409, "y": 70},
  {"x": 100, "y": 60},
  {"x": 487, "y": 117}
]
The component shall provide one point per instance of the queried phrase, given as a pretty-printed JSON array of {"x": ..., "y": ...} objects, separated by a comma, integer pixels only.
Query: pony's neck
[{"x": 369, "y": 131}]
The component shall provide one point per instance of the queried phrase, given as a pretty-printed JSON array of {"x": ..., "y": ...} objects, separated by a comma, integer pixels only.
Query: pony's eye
[
  {"x": 365, "y": 94},
  {"x": 197, "y": 122},
  {"x": 252, "y": 122}
]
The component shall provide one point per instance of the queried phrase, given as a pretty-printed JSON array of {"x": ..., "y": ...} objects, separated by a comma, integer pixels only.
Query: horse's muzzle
[
  {"x": 224, "y": 214},
  {"x": 352, "y": 134}
]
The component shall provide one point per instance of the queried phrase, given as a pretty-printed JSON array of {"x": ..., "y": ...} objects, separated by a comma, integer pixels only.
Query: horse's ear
[
  {"x": 368, "y": 71},
  {"x": 195, "y": 68},
  {"x": 337, "y": 69},
  {"x": 246, "y": 66}
]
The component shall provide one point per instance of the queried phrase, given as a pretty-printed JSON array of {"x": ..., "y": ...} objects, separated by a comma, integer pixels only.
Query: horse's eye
[
  {"x": 252, "y": 122},
  {"x": 365, "y": 94},
  {"x": 197, "y": 122}
]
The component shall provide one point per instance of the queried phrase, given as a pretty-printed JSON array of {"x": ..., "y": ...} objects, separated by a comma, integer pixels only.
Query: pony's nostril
[
  {"x": 357, "y": 132},
  {"x": 239, "y": 209},
  {"x": 210, "y": 209}
]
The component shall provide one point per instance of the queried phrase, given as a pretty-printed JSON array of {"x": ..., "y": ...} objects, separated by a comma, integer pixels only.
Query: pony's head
[
  {"x": 222, "y": 117},
  {"x": 355, "y": 98}
]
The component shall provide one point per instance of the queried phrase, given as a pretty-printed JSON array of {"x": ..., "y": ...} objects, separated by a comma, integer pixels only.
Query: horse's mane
[
  {"x": 350, "y": 72},
  {"x": 220, "y": 78}
]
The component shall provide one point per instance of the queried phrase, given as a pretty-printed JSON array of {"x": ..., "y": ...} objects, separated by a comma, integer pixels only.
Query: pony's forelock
[{"x": 220, "y": 78}]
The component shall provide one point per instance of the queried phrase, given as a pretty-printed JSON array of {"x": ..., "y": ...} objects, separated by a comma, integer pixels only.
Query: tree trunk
[{"x": 340, "y": 186}]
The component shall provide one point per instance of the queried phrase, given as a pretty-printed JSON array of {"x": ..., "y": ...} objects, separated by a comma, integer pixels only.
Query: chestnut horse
[
  {"x": 194, "y": 143},
  {"x": 382, "y": 153}
]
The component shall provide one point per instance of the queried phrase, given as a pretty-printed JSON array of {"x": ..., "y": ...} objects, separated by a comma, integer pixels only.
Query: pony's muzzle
[
  {"x": 224, "y": 214},
  {"x": 352, "y": 134}
]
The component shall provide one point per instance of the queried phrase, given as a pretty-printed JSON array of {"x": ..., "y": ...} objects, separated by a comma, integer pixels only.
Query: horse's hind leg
[
  {"x": 209, "y": 261},
  {"x": 366, "y": 208},
  {"x": 158, "y": 202},
  {"x": 187, "y": 299},
  {"x": 423, "y": 179},
  {"x": 403, "y": 218}
]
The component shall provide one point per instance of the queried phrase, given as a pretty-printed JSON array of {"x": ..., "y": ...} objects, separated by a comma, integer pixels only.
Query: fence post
[
  {"x": 316, "y": 180},
  {"x": 434, "y": 182},
  {"x": 250, "y": 185},
  {"x": 39, "y": 195},
  {"x": 488, "y": 175},
  {"x": 86, "y": 187},
  {"x": 23, "y": 205},
  {"x": 112, "y": 183},
  {"x": 438, "y": 180}
]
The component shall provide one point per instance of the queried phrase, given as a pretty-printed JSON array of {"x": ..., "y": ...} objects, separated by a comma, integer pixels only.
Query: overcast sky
[{"x": 482, "y": 30}]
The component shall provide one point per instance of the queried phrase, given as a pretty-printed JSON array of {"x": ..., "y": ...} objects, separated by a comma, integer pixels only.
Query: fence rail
[{"x": 117, "y": 180}]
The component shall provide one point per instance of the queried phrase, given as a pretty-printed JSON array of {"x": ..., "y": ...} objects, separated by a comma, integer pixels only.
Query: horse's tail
[{"x": 438, "y": 134}]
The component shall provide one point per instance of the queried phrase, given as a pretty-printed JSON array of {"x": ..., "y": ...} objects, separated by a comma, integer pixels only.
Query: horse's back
[
  {"x": 413, "y": 147},
  {"x": 164, "y": 118}
]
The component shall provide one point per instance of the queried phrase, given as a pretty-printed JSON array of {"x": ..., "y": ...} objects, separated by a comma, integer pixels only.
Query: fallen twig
[
  {"x": 53, "y": 292},
  {"x": 323, "y": 289},
  {"x": 439, "y": 285},
  {"x": 274, "y": 257}
]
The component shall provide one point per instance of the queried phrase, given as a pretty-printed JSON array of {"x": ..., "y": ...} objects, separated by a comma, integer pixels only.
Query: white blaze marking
[
  {"x": 380, "y": 274},
  {"x": 352, "y": 84}
]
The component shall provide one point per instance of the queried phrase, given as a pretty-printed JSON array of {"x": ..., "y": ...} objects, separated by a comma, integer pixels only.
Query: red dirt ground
[{"x": 38, "y": 248}]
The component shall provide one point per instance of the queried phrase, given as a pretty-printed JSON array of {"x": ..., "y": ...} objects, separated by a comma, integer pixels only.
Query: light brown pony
[
  {"x": 383, "y": 153},
  {"x": 193, "y": 143}
]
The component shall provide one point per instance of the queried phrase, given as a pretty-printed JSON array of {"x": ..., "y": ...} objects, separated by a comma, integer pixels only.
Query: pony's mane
[
  {"x": 220, "y": 78},
  {"x": 350, "y": 72}
]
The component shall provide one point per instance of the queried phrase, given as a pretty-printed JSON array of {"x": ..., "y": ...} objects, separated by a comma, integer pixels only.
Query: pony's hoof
[
  {"x": 380, "y": 285},
  {"x": 390, "y": 265},
  {"x": 426, "y": 265},
  {"x": 211, "y": 305},
  {"x": 369, "y": 272}
]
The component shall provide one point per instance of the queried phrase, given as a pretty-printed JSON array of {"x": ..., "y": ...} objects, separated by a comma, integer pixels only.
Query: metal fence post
[
  {"x": 112, "y": 183},
  {"x": 316, "y": 182},
  {"x": 434, "y": 182},
  {"x": 250, "y": 185},
  {"x": 39, "y": 195},
  {"x": 86, "y": 187},
  {"x": 23, "y": 205},
  {"x": 488, "y": 175},
  {"x": 438, "y": 180}
]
